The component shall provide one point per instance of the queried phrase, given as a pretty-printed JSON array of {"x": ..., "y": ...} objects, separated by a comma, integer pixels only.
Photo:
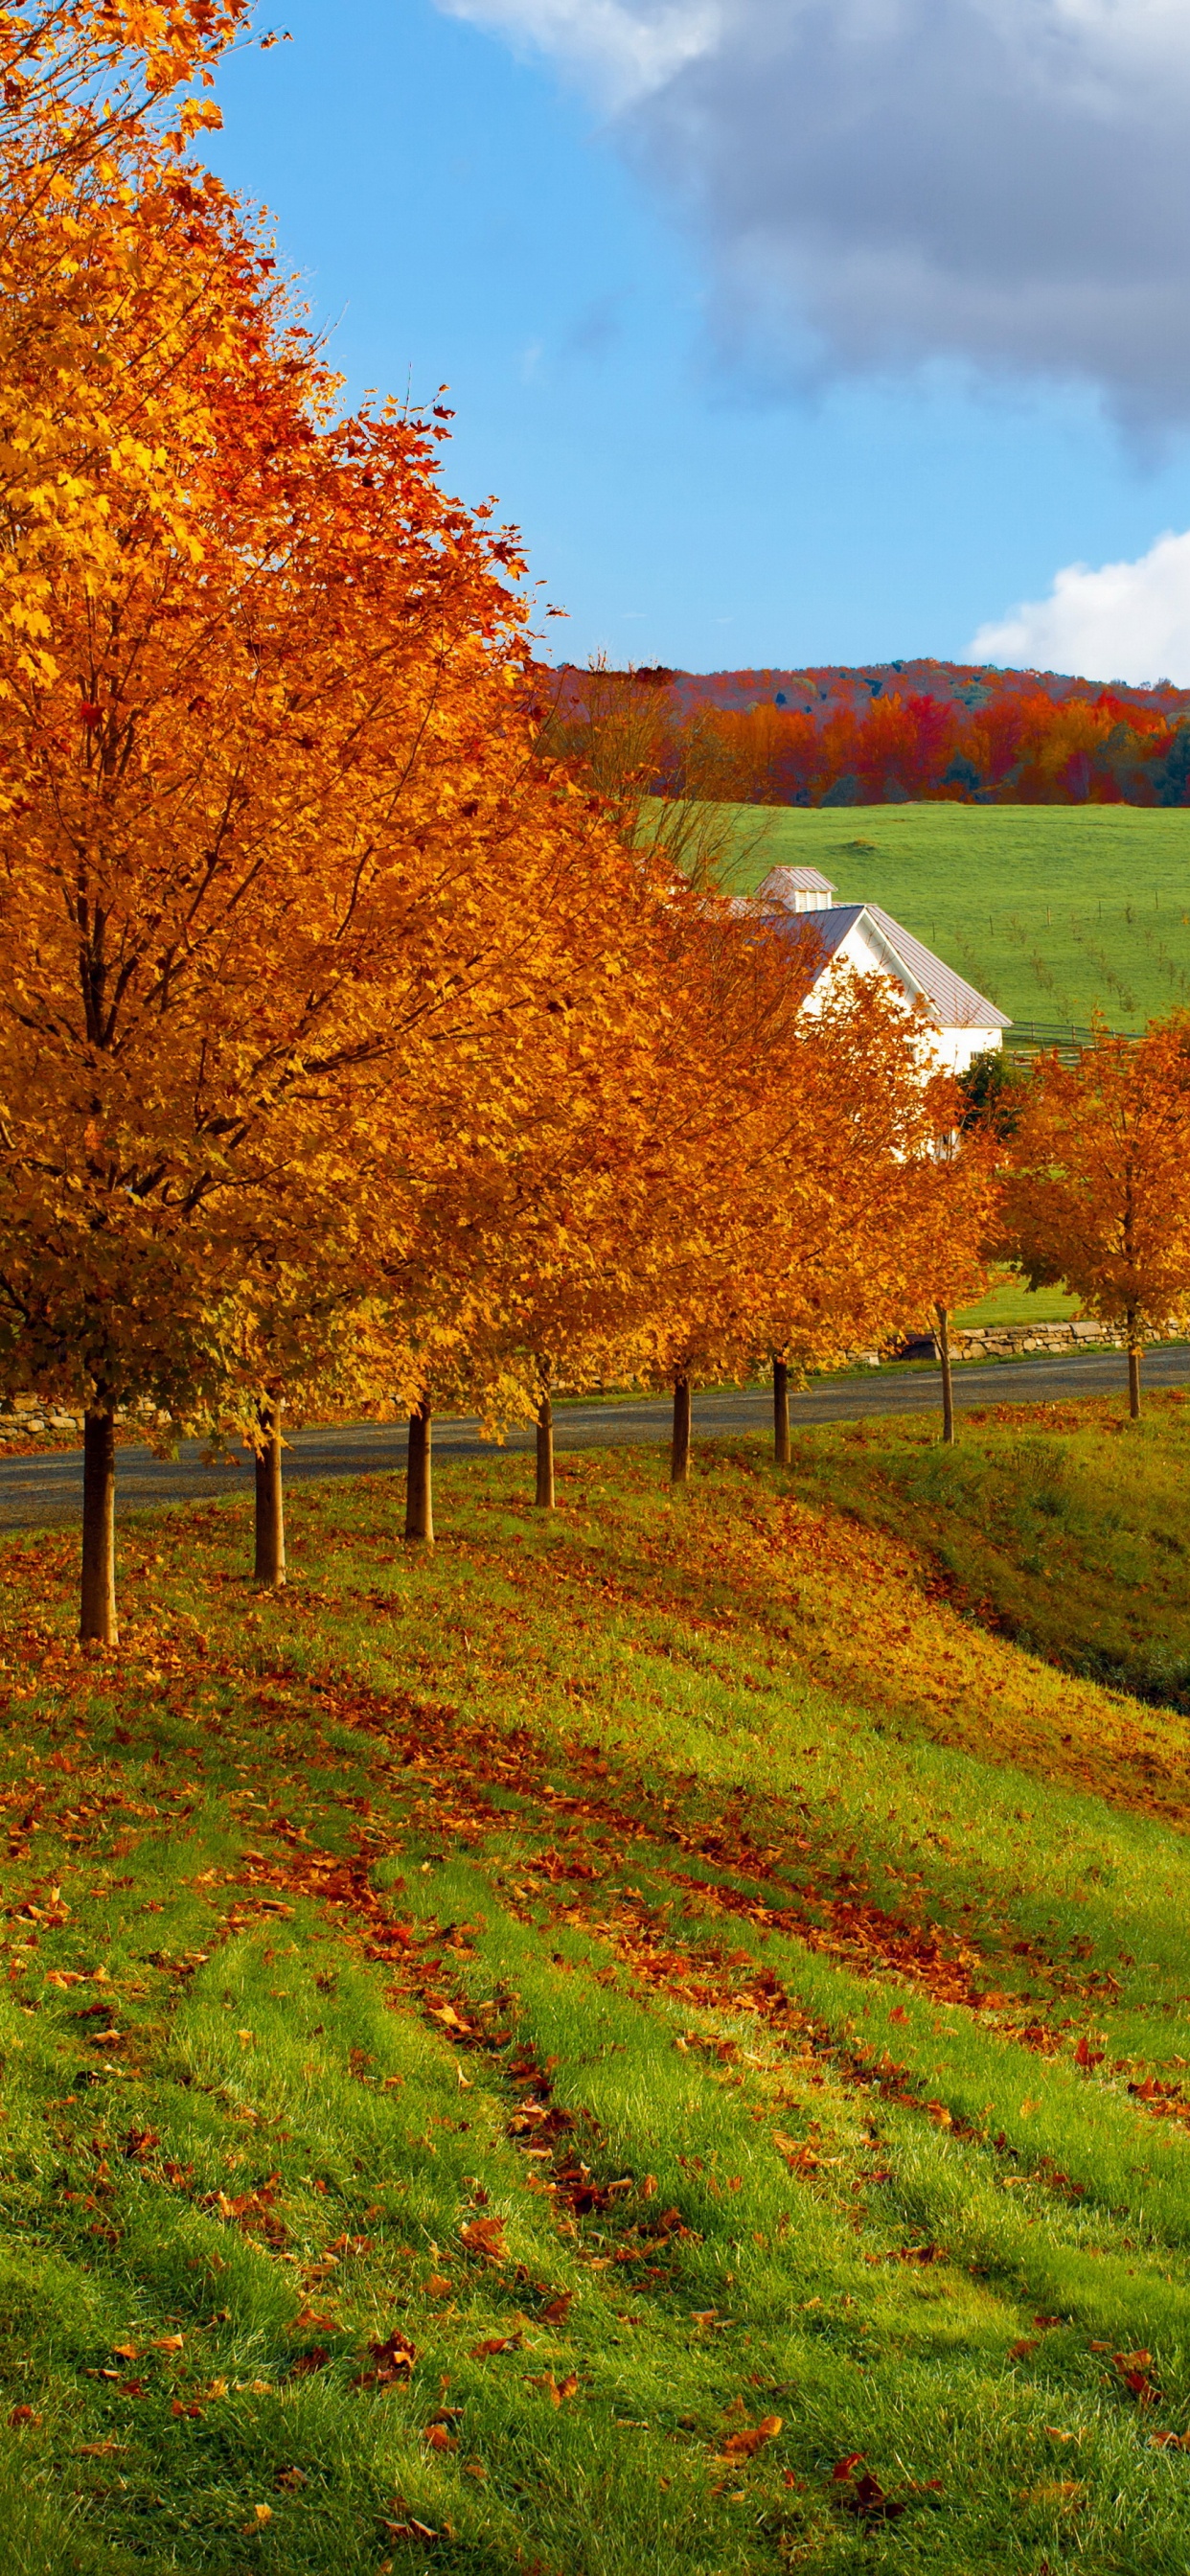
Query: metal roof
[
  {"x": 953, "y": 1002},
  {"x": 957, "y": 1003},
  {"x": 781, "y": 882}
]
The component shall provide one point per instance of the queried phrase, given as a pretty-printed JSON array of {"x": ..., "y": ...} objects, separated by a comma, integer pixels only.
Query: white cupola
[{"x": 797, "y": 890}]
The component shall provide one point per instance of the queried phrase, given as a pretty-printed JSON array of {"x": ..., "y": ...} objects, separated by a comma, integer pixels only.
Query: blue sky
[{"x": 706, "y": 472}]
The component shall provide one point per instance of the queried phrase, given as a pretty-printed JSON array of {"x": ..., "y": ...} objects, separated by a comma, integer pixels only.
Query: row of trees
[
  {"x": 1010, "y": 746},
  {"x": 358, "y": 1048},
  {"x": 352, "y": 1051}
]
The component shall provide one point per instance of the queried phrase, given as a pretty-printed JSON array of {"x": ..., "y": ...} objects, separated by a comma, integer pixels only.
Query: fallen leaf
[
  {"x": 752, "y": 2438},
  {"x": 168, "y": 2343},
  {"x": 496, "y": 2343},
  {"x": 485, "y": 2236},
  {"x": 388, "y": 2359},
  {"x": 868, "y": 2499},
  {"x": 25, "y": 2415},
  {"x": 439, "y": 2439}
]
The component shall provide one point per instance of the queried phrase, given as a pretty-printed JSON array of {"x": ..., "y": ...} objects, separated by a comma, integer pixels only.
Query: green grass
[
  {"x": 1052, "y": 911},
  {"x": 1012, "y": 1301},
  {"x": 486, "y": 2031},
  {"x": 1066, "y": 1525}
]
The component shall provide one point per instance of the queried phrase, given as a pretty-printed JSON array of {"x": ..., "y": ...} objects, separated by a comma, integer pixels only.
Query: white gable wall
[{"x": 865, "y": 952}]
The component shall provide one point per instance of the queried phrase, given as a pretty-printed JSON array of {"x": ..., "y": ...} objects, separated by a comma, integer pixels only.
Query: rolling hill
[{"x": 1053, "y": 911}]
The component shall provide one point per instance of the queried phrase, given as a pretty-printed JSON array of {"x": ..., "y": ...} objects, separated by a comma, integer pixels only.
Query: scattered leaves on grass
[
  {"x": 390, "y": 2361},
  {"x": 556, "y": 2389},
  {"x": 485, "y": 2236},
  {"x": 750, "y": 2439}
]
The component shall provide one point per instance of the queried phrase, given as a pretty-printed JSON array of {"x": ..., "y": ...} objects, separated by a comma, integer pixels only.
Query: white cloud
[
  {"x": 883, "y": 183},
  {"x": 624, "y": 48},
  {"x": 1128, "y": 621}
]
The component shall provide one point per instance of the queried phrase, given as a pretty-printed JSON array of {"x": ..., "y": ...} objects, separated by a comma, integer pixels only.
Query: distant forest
[{"x": 895, "y": 732}]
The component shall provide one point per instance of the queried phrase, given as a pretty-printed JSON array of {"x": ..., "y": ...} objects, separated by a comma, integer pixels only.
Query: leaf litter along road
[
  {"x": 496, "y": 2032},
  {"x": 39, "y": 1489}
]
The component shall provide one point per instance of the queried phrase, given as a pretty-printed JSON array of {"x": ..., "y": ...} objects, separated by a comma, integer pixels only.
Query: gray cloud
[{"x": 883, "y": 184}]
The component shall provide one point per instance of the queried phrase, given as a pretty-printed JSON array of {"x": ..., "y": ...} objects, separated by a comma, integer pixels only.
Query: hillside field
[
  {"x": 1053, "y": 911},
  {"x": 646, "y": 2039}
]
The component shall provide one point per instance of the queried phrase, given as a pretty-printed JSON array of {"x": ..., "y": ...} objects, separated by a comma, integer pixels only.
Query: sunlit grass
[{"x": 670, "y": 1945}]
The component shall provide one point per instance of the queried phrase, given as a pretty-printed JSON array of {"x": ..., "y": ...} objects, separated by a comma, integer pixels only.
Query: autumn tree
[
  {"x": 780, "y": 1115},
  {"x": 516, "y": 1270},
  {"x": 277, "y": 841},
  {"x": 673, "y": 782},
  {"x": 1098, "y": 1193},
  {"x": 840, "y": 1249},
  {"x": 953, "y": 1189},
  {"x": 94, "y": 95}
]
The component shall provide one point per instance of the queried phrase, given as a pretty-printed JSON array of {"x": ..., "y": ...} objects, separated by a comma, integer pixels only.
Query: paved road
[{"x": 37, "y": 1491}]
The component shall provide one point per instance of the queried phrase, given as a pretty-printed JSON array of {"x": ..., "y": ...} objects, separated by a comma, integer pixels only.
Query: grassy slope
[
  {"x": 1050, "y": 910},
  {"x": 1063, "y": 1524},
  {"x": 667, "y": 1969}
]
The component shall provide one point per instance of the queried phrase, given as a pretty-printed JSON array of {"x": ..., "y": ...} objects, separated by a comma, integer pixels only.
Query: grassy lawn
[
  {"x": 647, "y": 2040},
  {"x": 1061, "y": 1524},
  {"x": 1012, "y": 1301},
  {"x": 1053, "y": 911}
]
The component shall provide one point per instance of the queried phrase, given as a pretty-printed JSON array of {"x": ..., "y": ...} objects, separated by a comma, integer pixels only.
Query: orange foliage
[
  {"x": 1017, "y": 745},
  {"x": 1099, "y": 1190}
]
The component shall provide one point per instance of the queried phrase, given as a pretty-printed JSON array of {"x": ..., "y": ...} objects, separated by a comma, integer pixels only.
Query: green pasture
[
  {"x": 1053, "y": 911},
  {"x": 509, "y": 2064},
  {"x": 1011, "y": 1301}
]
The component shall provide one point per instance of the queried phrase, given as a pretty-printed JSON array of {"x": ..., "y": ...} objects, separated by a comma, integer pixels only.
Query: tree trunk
[
  {"x": 544, "y": 1497},
  {"x": 97, "y": 1623},
  {"x": 947, "y": 1380},
  {"x": 419, "y": 1497},
  {"x": 1135, "y": 1347},
  {"x": 781, "y": 1413},
  {"x": 679, "y": 1464},
  {"x": 270, "y": 1500}
]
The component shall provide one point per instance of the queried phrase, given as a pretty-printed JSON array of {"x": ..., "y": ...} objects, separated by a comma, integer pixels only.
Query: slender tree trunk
[
  {"x": 270, "y": 1500},
  {"x": 419, "y": 1494},
  {"x": 97, "y": 1623},
  {"x": 544, "y": 1497},
  {"x": 679, "y": 1464},
  {"x": 947, "y": 1380},
  {"x": 1135, "y": 1347},
  {"x": 781, "y": 1413}
]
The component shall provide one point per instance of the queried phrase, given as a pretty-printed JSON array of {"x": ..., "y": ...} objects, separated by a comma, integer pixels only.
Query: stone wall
[{"x": 1011, "y": 1341}]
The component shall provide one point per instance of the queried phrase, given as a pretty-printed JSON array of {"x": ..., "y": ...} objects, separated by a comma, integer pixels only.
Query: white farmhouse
[{"x": 867, "y": 939}]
